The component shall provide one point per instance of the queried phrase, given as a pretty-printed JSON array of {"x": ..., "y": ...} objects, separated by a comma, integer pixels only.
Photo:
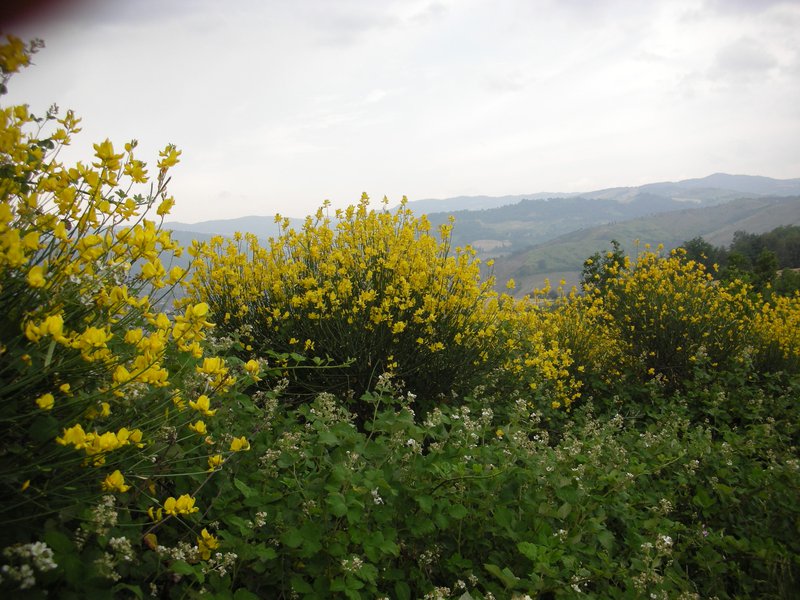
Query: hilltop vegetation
[
  {"x": 716, "y": 224},
  {"x": 537, "y": 238},
  {"x": 351, "y": 411}
]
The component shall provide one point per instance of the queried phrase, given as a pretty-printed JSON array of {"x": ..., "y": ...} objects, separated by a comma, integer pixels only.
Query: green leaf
[
  {"x": 246, "y": 490},
  {"x": 134, "y": 589},
  {"x": 564, "y": 510},
  {"x": 529, "y": 550},
  {"x": 337, "y": 504},
  {"x": 702, "y": 499},
  {"x": 458, "y": 511},
  {"x": 59, "y": 542},
  {"x": 508, "y": 579},
  {"x": 606, "y": 539},
  {"x": 241, "y": 524},
  {"x": 402, "y": 590},
  {"x": 328, "y": 438},
  {"x": 301, "y": 586},
  {"x": 425, "y": 503},
  {"x": 265, "y": 552},
  {"x": 292, "y": 538},
  {"x": 243, "y": 594},
  {"x": 182, "y": 567}
]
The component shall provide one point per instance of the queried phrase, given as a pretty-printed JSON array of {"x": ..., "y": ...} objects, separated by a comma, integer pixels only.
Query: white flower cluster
[
  {"x": 36, "y": 555},
  {"x": 183, "y": 551},
  {"x": 220, "y": 563},
  {"x": 352, "y": 564}
]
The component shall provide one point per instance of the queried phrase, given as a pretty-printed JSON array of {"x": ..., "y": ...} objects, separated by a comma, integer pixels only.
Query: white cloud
[{"x": 283, "y": 104}]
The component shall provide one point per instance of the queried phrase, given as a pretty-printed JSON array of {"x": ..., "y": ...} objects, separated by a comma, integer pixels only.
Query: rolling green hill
[{"x": 563, "y": 256}]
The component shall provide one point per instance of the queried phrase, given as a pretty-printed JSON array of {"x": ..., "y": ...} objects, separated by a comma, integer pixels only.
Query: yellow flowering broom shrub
[
  {"x": 372, "y": 290},
  {"x": 534, "y": 355},
  {"x": 103, "y": 392},
  {"x": 776, "y": 335},
  {"x": 581, "y": 326},
  {"x": 671, "y": 316}
]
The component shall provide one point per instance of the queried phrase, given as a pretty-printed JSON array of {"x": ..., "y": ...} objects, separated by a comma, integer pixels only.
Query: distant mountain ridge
[
  {"x": 713, "y": 189},
  {"x": 716, "y": 187},
  {"x": 563, "y": 256},
  {"x": 549, "y": 235},
  {"x": 262, "y": 227}
]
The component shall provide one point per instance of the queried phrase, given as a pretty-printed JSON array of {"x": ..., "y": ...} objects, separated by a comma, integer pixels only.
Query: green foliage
[
  {"x": 679, "y": 479},
  {"x": 667, "y": 502},
  {"x": 599, "y": 269},
  {"x": 700, "y": 251}
]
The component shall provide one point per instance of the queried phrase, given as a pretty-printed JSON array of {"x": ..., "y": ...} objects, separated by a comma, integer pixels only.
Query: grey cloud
[
  {"x": 346, "y": 22},
  {"x": 741, "y": 61},
  {"x": 748, "y": 6},
  {"x": 507, "y": 81},
  {"x": 432, "y": 12}
]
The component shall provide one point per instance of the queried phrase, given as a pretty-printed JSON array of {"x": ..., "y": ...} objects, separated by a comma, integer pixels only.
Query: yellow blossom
[
  {"x": 46, "y": 402},
  {"x": 115, "y": 482},
  {"x": 184, "y": 505},
  {"x": 240, "y": 444},
  {"x": 252, "y": 367},
  {"x": 206, "y": 543},
  {"x": 203, "y": 406},
  {"x": 36, "y": 276},
  {"x": 198, "y": 427}
]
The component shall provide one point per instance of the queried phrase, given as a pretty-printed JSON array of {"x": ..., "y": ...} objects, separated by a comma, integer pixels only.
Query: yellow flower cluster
[
  {"x": 173, "y": 507},
  {"x": 535, "y": 354},
  {"x": 367, "y": 285},
  {"x": 96, "y": 444},
  {"x": 206, "y": 544},
  {"x": 661, "y": 316},
  {"x": 776, "y": 334},
  {"x": 88, "y": 334},
  {"x": 115, "y": 482}
]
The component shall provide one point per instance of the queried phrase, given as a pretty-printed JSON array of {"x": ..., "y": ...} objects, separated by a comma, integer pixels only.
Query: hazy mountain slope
[
  {"x": 262, "y": 227},
  {"x": 717, "y": 224},
  {"x": 752, "y": 184},
  {"x": 719, "y": 187},
  {"x": 507, "y": 229},
  {"x": 534, "y": 218},
  {"x": 461, "y": 203}
]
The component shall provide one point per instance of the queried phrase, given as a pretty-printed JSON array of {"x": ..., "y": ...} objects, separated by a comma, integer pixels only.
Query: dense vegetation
[
  {"x": 769, "y": 261},
  {"x": 352, "y": 411}
]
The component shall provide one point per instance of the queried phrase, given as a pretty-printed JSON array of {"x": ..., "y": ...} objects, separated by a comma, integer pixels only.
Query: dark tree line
[
  {"x": 766, "y": 260},
  {"x": 770, "y": 261}
]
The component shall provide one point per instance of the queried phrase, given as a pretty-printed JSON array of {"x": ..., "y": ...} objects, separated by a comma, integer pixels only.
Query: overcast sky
[{"x": 279, "y": 105}]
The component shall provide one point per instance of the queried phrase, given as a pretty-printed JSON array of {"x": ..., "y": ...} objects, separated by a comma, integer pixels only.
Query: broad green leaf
[
  {"x": 246, "y": 490},
  {"x": 425, "y": 503},
  {"x": 292, "y": 538}
]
